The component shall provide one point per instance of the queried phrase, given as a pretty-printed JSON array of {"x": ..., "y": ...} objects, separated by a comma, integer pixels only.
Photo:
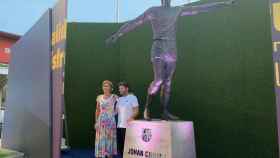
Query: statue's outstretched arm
[
  {"x": 129, "y": 26},
  {"x": 187, "y": 10}
]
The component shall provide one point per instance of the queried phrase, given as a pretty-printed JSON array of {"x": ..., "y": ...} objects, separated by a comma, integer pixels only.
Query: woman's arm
[{"x": 97, "y": 111}]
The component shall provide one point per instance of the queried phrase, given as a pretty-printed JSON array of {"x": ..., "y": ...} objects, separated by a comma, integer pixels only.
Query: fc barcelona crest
[{"x": 146, "y": 135}]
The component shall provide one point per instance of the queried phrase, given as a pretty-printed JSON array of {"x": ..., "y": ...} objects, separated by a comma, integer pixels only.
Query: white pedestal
[{"x": 160, "y": 139}]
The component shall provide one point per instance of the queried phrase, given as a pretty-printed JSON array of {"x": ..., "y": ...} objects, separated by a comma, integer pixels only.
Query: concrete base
[{"x": 160, "y": 139}]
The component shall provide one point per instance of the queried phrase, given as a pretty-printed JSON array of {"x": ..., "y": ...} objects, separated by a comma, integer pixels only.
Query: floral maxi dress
[{"x": 106, "y": 138}]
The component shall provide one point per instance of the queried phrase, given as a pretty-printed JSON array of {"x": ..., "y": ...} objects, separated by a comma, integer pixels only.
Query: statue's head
[{"x": 166, "y": 3}]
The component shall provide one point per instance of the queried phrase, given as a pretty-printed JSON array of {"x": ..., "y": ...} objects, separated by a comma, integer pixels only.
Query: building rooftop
[{"x": 9, "y": 35}]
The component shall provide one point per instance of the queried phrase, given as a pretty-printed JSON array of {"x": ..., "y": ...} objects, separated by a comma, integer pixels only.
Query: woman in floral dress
[{"x": 106, "y": 138}]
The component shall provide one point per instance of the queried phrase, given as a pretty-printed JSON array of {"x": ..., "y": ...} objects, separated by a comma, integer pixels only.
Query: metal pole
[{"x": 117, "y": 11}]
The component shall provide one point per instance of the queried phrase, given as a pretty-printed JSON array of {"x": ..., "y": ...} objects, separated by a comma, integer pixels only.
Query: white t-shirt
[{"x": 125, "y": 107}]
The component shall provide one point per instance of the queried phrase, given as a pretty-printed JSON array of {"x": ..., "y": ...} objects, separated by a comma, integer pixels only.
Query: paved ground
[
  {"x": 65, "y": 153},
  {"x": 4, "y": 153},
  {"x": 79, "y": 153}
]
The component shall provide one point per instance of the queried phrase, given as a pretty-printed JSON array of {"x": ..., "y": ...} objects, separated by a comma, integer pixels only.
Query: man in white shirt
[{"x": 128, "y": 109}]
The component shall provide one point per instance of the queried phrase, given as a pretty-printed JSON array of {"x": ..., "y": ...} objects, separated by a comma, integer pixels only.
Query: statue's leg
[
  {"x": 154, "y": 86},
  {"x": 170, "y": 67}
]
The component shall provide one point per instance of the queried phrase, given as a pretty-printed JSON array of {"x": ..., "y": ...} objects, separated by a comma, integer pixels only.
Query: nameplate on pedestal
[{"x": 160, "y": 139}]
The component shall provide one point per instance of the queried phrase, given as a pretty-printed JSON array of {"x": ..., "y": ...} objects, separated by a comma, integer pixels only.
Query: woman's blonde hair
[{"x": 108, "y": 82}]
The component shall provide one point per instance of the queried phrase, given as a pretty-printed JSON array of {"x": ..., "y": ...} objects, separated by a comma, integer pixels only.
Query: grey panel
[{"x": 27, "y": 118}]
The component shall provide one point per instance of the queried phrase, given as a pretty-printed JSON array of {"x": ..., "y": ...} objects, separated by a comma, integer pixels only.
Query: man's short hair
[{"x": 123, "y": 83}]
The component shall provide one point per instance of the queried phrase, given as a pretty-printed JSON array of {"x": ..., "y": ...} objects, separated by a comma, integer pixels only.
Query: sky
[{"x": 18, "y": 16}]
